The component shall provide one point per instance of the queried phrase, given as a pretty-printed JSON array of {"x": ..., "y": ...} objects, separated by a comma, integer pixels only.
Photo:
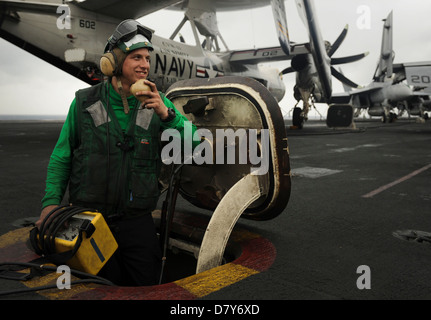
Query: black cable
[
  {"x": 44, "y": 226},
  {"x": 168, "y": 202},
  {"x": 47, "y": 287},
  {"x": 49, "y": 228},
  {"x": 90, "y": 278},
  {"x": 75, "y": 272},
  {"x": 108, "y": 147}
]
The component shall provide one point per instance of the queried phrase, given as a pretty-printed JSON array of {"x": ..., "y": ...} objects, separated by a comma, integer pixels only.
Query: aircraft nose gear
[{"x": 298, "y": 118}]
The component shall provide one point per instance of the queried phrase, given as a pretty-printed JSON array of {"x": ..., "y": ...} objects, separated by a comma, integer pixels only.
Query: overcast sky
[{"x": 29, "y": 85}]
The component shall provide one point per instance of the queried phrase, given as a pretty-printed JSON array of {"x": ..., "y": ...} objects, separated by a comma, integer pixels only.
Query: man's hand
[
  {"x": 154, "y": 100},
  {"x": 43, "y": 214}
]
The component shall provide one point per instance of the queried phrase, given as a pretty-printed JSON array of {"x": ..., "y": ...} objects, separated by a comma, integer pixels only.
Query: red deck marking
[{"x": 257, "y": 255}]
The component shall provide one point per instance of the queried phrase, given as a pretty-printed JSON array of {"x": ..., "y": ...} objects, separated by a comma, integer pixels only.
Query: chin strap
[{"x": 123, "y": 96}]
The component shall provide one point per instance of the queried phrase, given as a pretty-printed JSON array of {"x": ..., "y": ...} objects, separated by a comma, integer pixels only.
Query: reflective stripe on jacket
[{"x": 113, "y": 171}]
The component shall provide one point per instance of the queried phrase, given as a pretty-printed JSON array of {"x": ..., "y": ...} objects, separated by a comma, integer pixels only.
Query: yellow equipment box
[{"x": 98, "y": 243}]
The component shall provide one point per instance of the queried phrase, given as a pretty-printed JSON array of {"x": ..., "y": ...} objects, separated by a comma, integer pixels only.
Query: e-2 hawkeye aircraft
[
  {"x": 388, "y": 90},
  {"x": 314, "y": 69},
  {"x": 71, "y": 35}
]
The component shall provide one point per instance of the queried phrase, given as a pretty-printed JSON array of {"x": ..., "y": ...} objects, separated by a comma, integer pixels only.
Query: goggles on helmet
[{"x": 127, "y": 30}]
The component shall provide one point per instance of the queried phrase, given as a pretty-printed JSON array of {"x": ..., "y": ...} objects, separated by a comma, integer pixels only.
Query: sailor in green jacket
[{"x": 108, "y": 154}]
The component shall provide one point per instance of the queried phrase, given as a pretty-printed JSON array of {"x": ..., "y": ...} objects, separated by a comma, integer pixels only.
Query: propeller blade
[
  {"x": 339, "y": 41},
  {"x": 343, "y": 79},
  {"x": 288, "y": 70},
  {"x": 335, "y": 61}
]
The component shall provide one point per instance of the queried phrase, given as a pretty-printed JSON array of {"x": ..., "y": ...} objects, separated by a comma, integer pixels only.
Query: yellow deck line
[
  {"x": 215, "y": 279},
  {"x": 14, "y": 236},
  {"x": 199, "y": 285}
]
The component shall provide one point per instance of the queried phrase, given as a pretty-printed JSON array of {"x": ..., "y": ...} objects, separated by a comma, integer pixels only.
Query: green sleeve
[
  {"x": 178, "y": 123},
  {"x": 59, "y": 166}
]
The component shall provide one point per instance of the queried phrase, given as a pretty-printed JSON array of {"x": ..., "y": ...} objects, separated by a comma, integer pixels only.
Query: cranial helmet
[{"x": 128, "y": 36}]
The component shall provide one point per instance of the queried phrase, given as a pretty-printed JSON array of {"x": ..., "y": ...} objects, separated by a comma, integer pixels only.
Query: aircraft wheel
[{"x": 298, "y": 119}]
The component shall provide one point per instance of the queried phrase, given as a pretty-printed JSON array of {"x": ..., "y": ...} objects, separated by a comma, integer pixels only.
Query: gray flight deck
[{"x": 356, "y": 196}]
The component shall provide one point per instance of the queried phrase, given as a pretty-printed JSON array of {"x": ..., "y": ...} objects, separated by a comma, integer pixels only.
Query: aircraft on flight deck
[
  {"x": 314, "y": 69},
  {"x": 72, "y": 36},
  {"x": 387, "y": 90}
]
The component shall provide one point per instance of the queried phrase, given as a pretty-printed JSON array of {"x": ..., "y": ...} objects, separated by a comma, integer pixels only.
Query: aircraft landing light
[{"x": 74, "y": 55}]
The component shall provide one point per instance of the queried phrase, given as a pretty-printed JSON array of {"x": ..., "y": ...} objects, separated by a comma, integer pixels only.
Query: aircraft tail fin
[
  {"x": 279, "y": 12},
  {"x": 385, "y": 64}
]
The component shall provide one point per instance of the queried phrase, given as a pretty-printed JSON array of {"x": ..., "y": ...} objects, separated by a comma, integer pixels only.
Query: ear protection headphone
[{"x": 112, "y": 60}]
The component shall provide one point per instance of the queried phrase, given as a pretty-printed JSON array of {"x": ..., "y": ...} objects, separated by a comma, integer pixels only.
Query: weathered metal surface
[
  {"x": 235, "y": 103},
  {"x": 223, "y": 220}
]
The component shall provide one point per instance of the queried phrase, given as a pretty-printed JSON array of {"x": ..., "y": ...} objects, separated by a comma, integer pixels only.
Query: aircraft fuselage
[
  {"x": 392, "y": 93},
  {"x": 80, "y": 38}
]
